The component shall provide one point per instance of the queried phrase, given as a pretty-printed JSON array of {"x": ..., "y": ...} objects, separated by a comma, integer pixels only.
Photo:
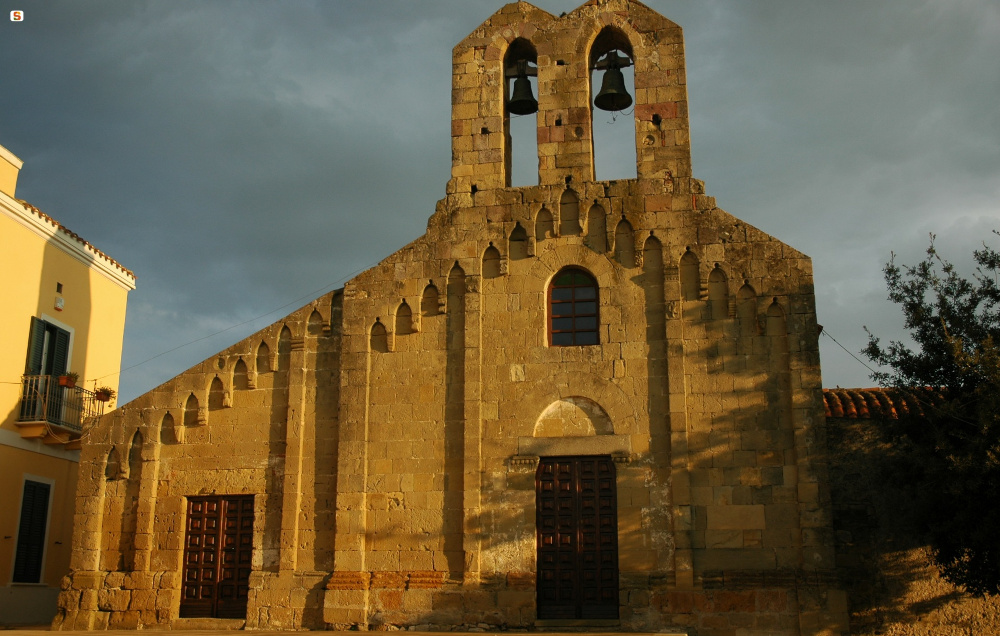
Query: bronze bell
[
  {"x": 522, "y": 101},
  {"x": 613, "y": 95}
]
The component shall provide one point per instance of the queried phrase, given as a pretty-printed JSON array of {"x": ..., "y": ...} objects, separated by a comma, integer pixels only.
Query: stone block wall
[
  {"x": 390, "y": 433},
  {"x": 259, "y": 418}
]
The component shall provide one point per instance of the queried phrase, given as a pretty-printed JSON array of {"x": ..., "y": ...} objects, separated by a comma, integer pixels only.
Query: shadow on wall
[
  {"x": 75, "y": 311},
  {"x": 277, "y": 374},
  {"x": 52, "y": 356},
  {"x": 508, "y": 599},
  {"x": 885, "y": 563}
]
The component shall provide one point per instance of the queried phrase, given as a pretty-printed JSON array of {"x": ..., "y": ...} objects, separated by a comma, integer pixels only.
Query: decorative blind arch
[{"x": 430, "y": 305}]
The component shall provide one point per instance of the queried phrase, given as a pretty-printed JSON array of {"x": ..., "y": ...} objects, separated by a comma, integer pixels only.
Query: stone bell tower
[
  {"x": 731, "y": 455},
  {"x": 563, "y": 52}
]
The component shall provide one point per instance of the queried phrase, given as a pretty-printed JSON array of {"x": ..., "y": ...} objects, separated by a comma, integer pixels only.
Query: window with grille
[{"x": 573, "y": 316}]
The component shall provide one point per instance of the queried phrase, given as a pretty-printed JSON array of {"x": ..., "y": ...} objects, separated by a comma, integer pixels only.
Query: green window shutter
[
  {"x": 60, "y": 353},
  {"x": 36, "y": 344},
  {"x": 31, "y": 532}
]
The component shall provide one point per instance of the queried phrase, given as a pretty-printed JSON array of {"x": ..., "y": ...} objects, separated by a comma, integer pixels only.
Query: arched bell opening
[
  {"x": 520, "y": 68},
  {"x": 612, "y": 87}
]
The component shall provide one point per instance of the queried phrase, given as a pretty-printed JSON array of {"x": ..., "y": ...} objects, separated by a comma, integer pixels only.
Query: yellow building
[{"x": 63, "y": 314}]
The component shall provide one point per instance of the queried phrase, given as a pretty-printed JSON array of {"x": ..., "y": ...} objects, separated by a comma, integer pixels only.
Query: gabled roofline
[
  {"x": 514, "y": 6},
  {"x": 10, "y": 158},
  {"x": 65, "y": 239}
]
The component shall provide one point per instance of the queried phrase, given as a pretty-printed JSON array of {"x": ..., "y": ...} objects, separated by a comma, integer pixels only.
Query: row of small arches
[
  {"x": 569, "y": 225},
  {"x": 746, "y": 305},
  {"x": 262, "y": 359},
  {"x": 114, "y": 468},
  {"x": 404, "y": 323},
  {"x": 688, "y": 267},
  {"x": 242, "y": 377},
  {"x": 596, "y": 239},
  {"x": 430, "y": 306},
  {"x": 194, "y": 414},
  {"x": 691, "y": 289}
]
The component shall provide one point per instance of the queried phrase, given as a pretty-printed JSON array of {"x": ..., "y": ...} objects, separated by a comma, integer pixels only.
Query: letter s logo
[{"x": 16, "y": 16}]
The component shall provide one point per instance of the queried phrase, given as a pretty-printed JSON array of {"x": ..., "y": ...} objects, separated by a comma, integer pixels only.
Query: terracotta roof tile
[
  {"x": 848, "y": 401},
  {"x": 833, "y": 406},
  {"x": 877, "y": 402},
  {"x": 860, "y": 403},
  {"x": 74, "y": 236}
]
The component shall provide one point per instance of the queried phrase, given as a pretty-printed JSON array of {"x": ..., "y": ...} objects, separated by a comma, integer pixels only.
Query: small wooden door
[
  {"x": 218, "y": 550},
  {"x": 577, "y": 533}
]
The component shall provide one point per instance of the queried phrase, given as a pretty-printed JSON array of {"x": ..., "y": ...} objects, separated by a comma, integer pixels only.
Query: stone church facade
[{"x": 582, "y": 403}]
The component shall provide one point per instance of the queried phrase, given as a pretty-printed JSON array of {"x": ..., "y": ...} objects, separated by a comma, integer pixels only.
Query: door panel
[
  {"x": 217, "y": 554},
  {"x": 577, "y": 538},
  {"x": 237, "y": 553}
]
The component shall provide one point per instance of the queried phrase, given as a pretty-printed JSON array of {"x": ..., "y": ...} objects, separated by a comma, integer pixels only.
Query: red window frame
[{"x": 573, "y": 309}]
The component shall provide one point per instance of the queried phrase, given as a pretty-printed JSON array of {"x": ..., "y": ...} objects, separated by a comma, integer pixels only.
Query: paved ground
[{"x": 35, "y": 631}]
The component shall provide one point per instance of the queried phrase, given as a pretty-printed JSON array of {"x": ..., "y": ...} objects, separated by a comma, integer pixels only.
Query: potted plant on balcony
[
  {"x": 104, "y": 393},
  {"x": 69, "y": 379}
]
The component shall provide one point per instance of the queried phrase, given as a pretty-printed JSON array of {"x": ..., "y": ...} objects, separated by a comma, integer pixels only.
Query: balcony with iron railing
[{"x": 54, "y": 413}]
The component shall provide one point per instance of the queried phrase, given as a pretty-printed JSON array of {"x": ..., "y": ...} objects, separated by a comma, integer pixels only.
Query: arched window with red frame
[{"x": 573, "y": 309}]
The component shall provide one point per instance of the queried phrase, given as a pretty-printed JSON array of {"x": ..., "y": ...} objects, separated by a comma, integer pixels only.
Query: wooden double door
[
  {"x": 577, "y": 538},
  {"x": 218, "y": 552}
]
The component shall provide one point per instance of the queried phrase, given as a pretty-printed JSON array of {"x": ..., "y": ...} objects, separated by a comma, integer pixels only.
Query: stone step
[{"x": 201, "y": 624}]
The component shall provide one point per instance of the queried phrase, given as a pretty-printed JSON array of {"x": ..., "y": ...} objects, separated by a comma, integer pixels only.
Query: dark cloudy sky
[{"x": 244, "y": 157}]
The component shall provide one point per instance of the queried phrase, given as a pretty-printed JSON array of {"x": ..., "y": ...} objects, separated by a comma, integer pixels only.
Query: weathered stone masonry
[{"x": 393, "y": 433}]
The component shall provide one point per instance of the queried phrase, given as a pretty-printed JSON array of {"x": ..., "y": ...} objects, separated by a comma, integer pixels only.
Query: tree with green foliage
[{"x": 949, "y": 454}]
